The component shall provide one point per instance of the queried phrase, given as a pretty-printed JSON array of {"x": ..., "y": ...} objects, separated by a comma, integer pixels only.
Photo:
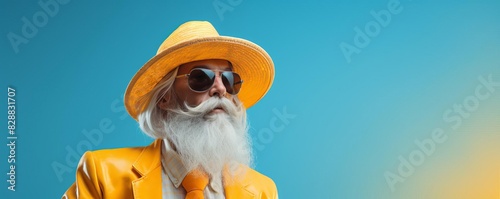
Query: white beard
[{"x": 209, "y": 141}]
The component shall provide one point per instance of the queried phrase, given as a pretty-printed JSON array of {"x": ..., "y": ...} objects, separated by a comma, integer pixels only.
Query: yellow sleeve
[{"x": 87, "y": 181}]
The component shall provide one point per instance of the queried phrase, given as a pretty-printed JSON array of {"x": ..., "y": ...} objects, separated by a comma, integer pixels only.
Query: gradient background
[{"x": 352, "y": 120}]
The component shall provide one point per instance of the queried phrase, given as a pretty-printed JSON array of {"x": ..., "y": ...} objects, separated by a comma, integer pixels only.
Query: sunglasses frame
[{"x": 221, "y": 75}]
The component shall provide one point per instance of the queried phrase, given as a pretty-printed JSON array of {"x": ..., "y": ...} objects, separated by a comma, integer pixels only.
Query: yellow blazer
[{"x": 136, "y": 173}]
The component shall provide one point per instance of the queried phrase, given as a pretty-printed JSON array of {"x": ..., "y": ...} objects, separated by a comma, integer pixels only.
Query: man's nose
[{"x": 218, "y": 88}]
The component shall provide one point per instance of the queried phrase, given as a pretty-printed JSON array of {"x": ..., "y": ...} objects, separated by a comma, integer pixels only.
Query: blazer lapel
[
  {"x": 148, "y": 165},
  {"x": 238, "y": 188}
]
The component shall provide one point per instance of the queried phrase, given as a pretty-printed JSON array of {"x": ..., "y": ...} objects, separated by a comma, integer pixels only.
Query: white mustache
[{"x": 207, "y": 106}]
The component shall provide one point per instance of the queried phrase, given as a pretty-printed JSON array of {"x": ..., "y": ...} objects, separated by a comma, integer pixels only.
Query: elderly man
[{"x": 191, "y": 98}]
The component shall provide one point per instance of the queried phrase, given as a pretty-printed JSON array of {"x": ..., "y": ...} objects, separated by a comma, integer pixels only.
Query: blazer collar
[{"x": 148, "y": 185}]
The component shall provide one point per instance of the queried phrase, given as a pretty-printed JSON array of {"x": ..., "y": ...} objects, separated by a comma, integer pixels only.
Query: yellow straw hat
[{"x": 198, "y": 40}]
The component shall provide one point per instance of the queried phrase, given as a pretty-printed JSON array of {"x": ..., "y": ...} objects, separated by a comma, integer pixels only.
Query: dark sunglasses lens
[
  {"x": 232, "y": 82},
  {"x": 201, "y": 80}
]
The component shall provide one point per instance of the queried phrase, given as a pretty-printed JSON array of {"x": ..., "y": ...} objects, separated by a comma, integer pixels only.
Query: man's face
[{"x": 193, "y": 98}]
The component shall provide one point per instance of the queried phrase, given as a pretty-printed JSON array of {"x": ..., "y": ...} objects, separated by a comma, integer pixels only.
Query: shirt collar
[{"x": 176, "y": 171}]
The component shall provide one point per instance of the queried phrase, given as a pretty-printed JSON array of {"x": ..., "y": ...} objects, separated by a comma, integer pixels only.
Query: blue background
[{"x": 349, "y": 117}]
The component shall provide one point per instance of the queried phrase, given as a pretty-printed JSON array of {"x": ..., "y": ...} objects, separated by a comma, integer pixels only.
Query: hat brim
[{"x": 249, "y": 60}]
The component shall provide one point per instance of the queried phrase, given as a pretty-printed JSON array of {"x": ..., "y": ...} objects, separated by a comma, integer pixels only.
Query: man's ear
[{"x": 163, "y": 103}]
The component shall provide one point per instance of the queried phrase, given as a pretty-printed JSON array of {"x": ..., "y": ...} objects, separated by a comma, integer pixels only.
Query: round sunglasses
[{"x": 202, "y": 79}]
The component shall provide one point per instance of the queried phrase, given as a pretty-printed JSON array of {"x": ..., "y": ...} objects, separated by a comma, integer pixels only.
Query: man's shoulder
[
  {"x": 252, "y": 173},
  {"x": 121, "y": 157},
  {"x": 118, "y": 159},
  {"x": 260, "y": 181},
  {"x": 116, "y": 153}
]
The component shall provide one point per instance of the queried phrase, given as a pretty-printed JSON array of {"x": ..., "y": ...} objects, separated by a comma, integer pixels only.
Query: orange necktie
[{"x": 194, "y": 183}]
